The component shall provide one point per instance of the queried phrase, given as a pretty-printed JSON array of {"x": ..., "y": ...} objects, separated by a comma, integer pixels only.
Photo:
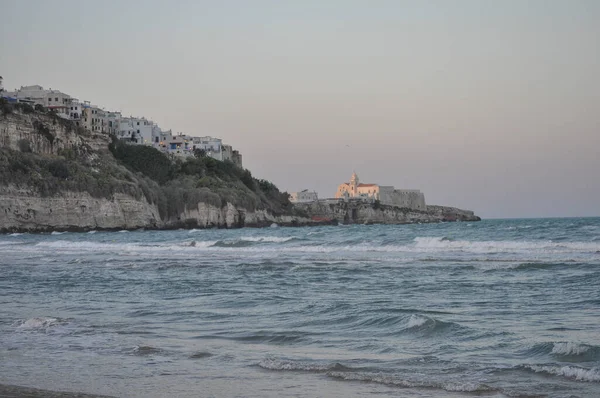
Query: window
[
  {"x": 138, "y": 130},
  {"x": 49, "y": 99},
  {"x": 138, "y": 125},
  {"x": 56, "y": 99}
]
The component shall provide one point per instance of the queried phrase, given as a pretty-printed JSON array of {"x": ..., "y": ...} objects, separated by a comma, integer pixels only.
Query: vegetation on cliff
[
  {"x": 173, "y": 184},
  {"x": 187, "y": 182}
]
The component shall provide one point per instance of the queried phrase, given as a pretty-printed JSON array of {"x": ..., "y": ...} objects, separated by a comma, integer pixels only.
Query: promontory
[{"x": 57, "y": 175}]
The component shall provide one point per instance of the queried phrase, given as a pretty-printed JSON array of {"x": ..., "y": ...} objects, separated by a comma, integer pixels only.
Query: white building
[
  {"x": 212, "y": 146},
  {"x": 137, "y": 130},
  {"x": 111, "y": 121},
  {"x": 125, "y": 130},
  {"x": 303, "y": 196},
  {"x": 33, "y": 94}
]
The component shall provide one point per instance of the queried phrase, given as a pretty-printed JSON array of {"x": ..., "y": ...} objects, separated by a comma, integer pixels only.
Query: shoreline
[
  {"x": 12, "y": 391},
  {"x": 333, "y": 223}
]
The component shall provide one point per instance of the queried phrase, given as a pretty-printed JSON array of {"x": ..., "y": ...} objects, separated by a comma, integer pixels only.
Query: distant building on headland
[
  {"x": 386, "y": 195},
  {"x": 303, "y": 196}
]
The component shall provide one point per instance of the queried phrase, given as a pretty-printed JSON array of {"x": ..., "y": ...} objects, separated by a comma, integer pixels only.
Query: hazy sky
[{"x": 492, "y": 106}]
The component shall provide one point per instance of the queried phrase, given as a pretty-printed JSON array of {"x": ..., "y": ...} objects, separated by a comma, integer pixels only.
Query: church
[{"x": 386, "y": 195}]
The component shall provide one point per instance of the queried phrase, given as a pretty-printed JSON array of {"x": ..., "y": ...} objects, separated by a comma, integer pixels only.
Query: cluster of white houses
[{"x": 136, "y": 130}]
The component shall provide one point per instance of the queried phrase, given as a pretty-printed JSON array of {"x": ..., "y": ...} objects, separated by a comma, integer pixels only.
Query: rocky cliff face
[
  {"x": 24, "y": 210},
  {"x": 47, "y": 134}
]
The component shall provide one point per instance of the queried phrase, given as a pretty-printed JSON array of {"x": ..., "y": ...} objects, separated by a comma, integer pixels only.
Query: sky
[{"x": 492, "y": 106}]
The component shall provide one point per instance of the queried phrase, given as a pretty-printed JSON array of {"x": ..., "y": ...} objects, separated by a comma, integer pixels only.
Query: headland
[{"x": 58, "y": 175}]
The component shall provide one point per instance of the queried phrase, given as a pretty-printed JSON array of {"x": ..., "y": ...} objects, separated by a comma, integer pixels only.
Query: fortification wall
[{"x": 412, "y": 199}]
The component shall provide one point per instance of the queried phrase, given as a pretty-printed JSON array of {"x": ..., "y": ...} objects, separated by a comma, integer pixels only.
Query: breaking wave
[
  {"x": 570, "y": 372},
  {"x": 434, "y": 243},
  {"x": 39, "y": 323},
  {"x": 526, "y": 255},
  {"x": 275, "y": 364},
  {"x": 397, "y": 381},
  {"x": 566, "y": 351},
  {"x": 344, "y": 373}
]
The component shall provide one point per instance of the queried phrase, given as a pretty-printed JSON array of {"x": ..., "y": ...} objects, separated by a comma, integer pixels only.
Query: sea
[{"x": 497, "y": 308}]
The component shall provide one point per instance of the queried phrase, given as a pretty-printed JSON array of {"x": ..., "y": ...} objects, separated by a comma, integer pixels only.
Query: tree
[{"x": 199, "y": 153}]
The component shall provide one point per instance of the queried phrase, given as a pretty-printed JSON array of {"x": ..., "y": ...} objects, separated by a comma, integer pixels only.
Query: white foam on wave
[
  {"x": 11, "y": 243},
  {"x": 441, "y": 243},
  {"x": 571, "y": 372},
  {"x": 274, "y": 364},
  {"x": 92, "y": 232},
  {"x": 416, "y": 321},
  {"x": 393, "y": 380},
  {"x": 272, "y": 239},
  {"x": 57, "y": 233},
  {"x": 125, "y": 247},
  {"x": 16, "y": 234},
  {"x": 123, "y": 231},
  {"x": 435, "y": 245},
  {"x": 568, "y": 348},
  {"x": 38, "y": 323}
]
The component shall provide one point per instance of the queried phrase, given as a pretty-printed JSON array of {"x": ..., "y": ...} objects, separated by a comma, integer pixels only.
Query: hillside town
[{"x": 134, "y": 130}]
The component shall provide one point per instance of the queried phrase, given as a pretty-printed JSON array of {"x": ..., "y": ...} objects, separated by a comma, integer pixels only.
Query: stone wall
[{"x": 411, "y": 199}]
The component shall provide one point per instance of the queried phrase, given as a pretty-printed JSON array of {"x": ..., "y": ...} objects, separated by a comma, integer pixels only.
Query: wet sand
[{"x": 7, "y": 391}]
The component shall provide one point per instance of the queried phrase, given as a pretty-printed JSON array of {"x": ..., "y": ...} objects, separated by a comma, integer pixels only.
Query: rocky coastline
[
  {"x": 25, "y": 211},
  {"x": 59, "y": 177}
]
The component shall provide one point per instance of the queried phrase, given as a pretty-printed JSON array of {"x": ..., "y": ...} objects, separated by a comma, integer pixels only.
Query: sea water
[{"x": 492, "y": 308}]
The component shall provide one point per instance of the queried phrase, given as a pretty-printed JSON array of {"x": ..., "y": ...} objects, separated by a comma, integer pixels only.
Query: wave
[
  {"x": 261, "y": 336},
  {"x": 135, "y": 247},
  {"x": 143, "y": 350},
  {"x": 396, "y": 381},
  {"x": 57, "y": 233},
  {"x": 200, "y": 355},
  {"x": 570, "y": 372},
  {"x": 274, "y": 244},
  {"x": 341, "y": 372},
  {"x": 231, "y": 243},
  {"x": 275, "y": 364},
  {"x": 274, "y": 239},
  {"x": 566, "y": 348},
  {"x": 436, "y": 243},
  {"x": 413, "y": 324},
  {"x": 416, "y": 321},
  {"x": 11, "y": 243},
  {"x": 566, "y": 351},
  {"x": 246, "y": 241},
  {"x": 39, "y": 323}
]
